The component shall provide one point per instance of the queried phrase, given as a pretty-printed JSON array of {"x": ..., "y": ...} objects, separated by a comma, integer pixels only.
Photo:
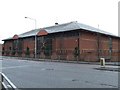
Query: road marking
[{"x": 15, "y": 67}]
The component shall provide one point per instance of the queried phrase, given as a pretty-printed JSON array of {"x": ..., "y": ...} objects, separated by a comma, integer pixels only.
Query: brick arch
[
  {"x": 15, "y": 36},
  {"x": 42, "y": 32}
]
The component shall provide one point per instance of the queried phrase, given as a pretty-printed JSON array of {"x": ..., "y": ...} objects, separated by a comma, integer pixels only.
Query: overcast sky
[{"x": 47, "y": 12}]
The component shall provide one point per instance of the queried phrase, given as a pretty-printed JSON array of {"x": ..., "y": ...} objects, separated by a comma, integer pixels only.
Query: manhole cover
[
  {"x": 87, "y": 82},
  {"x": 49, "y": 69},
  {"x": 75, "y": 80}
]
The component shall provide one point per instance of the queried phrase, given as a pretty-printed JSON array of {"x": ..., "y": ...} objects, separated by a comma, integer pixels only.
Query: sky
[{"x": 47, "y": 12}]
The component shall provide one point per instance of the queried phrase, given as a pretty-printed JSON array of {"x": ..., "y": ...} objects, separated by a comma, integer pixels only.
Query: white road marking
[{"x": 15, "y": 67}]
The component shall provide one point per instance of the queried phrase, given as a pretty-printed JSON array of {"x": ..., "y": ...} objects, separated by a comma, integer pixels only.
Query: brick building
[
  {"x": 0, "y": 49},
  {"x": 68, "y": 41}
]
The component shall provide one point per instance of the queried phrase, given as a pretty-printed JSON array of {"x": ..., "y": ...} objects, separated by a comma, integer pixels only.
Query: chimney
[{"x": 56, "y": 23}]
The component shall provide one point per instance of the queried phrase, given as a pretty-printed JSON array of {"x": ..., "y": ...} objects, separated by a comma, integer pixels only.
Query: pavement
[
  {"x": 39, "y": 74},
  {"x": 63, "y": 61},
  {"x": 109, "y": 68}
]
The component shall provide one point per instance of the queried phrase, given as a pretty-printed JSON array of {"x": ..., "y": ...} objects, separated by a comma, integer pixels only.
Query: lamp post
[
  {"x": 35, "y": 33},
  {"x": 78, "y": 45}
]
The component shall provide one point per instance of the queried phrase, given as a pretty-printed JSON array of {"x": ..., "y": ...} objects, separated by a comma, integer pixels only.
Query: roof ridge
[
  {"x": 73, "y": 25},
  {"x": 57, "y": 25},
  {"x": 98, "y": 30},
  {"x": 28, "y": 31}
]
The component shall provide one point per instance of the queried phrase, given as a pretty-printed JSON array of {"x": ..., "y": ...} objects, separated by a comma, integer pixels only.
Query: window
[
  {"x": 110, "y": 44},
  {"x": 48, "y": 46},
  {"x": 3, "y": 48},
  {"x": 44, "y": 43},
  {"x": 10, "y": 48}
]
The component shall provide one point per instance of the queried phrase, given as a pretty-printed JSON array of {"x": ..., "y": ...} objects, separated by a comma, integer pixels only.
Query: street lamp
[{"x": 35, "y": 33}]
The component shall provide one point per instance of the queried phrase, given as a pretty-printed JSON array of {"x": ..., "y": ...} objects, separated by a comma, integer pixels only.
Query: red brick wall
[
  {"x": 88, "y": 46},
  {"x": 115, "y": 49},
  {"x": 30, "y": 43},
  {"x": 63, "y": 47},
  {"x": 42, "y": 32},
  {"x": 69, "y": 45},
  {"x": 0, "y": 49},
  {"x": 7, "y": 45}
]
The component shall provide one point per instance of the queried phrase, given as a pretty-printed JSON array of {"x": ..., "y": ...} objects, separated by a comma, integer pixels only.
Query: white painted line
[{"x": 15, "y": 67}]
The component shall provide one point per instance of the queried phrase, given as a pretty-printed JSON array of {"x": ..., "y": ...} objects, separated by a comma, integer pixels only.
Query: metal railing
[{"x": 6, "y": 83}]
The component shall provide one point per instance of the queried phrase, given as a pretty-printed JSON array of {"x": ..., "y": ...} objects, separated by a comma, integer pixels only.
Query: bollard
[{"x": 102, "y": 62}]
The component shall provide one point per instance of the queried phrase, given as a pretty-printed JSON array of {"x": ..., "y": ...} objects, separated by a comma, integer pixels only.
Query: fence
[
  {"x": 6, "y": 83},
  {"x": 65, "y": 54}
]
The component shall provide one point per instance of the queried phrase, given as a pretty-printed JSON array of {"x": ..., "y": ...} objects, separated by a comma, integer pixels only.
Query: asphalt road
[{"x": 37, "y": 74}]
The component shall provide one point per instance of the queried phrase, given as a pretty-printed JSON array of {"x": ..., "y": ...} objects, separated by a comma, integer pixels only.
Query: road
[{"x": 37, "y": 74}]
